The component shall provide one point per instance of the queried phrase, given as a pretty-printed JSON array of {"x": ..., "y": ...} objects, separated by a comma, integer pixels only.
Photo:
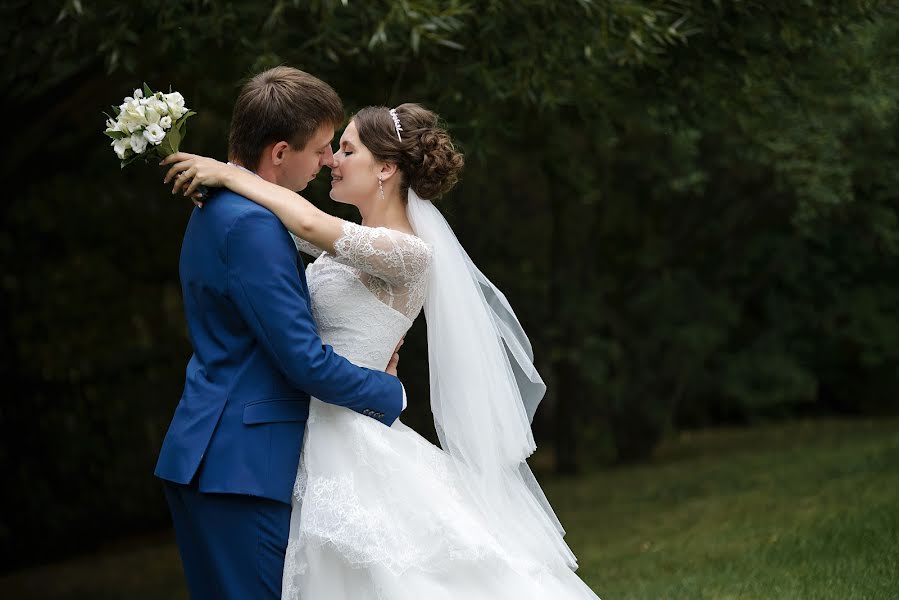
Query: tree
[{"x": 691, "y": 205}]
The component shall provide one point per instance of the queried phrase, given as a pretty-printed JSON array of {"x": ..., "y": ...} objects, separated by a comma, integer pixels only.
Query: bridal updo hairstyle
[{"x": 425, "y": 156}]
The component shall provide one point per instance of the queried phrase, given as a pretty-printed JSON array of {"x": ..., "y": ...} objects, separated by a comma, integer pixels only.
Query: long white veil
[{"x": 484, "y": 392}]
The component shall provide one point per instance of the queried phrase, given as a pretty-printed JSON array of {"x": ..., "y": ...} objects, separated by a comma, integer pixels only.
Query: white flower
[
  {"x": 138, "y": 94},
  {"x": 176, "y": 104},
  {"x": 152, "y": 115},
  {"x": 133, "y": 115},
  {"x": 154, "y": 134},
  {"x": 158, "y": 105},
  {"x": 113, "y": 125},
  {"x": 174, "y": 99},
  {"x": 121, "y": 147},
  {"x": 165, "y": 122},
  {"x": 138, "y": 142},
  {"x": 129, "y": 126}
]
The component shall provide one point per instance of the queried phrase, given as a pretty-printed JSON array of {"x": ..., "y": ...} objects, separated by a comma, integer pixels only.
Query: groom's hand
[{"x": 394, "y": 360}]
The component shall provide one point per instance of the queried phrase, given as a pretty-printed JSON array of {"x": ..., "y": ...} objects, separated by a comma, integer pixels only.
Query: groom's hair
[{"x": 281, "y": 104}]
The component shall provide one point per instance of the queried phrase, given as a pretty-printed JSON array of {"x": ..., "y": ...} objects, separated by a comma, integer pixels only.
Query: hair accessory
[{"x": 396, "y": 124}]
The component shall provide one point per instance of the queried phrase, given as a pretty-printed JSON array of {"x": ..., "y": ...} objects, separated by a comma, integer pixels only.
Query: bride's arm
[{"x": 299, "y": 215}]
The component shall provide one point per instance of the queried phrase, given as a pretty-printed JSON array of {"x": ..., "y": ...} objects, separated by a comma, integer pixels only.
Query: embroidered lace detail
[
  {"x": 306, "y": 247},
  {"x": 350, "y": 318},
  {"x": 340, "y": 509},
  {"x": 363, "y": 533},
  {"x": 393, "y": 265},
  {"x": 366, "y": 295}
]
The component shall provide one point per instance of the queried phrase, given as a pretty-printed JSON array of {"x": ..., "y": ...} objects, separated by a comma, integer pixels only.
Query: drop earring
[{"x": 381, "y": 187}]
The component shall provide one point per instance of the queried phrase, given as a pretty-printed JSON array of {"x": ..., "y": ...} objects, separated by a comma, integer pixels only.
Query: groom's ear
[{"x": 277, "y": 152}]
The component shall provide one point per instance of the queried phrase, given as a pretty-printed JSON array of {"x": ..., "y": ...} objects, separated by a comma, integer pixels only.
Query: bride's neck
[{"x": 390, "y": 213}]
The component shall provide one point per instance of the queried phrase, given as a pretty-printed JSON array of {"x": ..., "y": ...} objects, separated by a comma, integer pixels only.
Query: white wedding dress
[{"x": 380, "y": 513}]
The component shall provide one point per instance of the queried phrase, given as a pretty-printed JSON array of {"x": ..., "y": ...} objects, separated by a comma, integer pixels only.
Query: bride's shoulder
[
  {"x": 384, "y": 237},
  {"x": 386, "y": 252}
]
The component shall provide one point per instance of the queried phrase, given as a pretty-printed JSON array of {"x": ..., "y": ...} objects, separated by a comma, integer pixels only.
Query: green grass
[
  {"x": 793, "y": 511},
  {"x": 804, "y": 510}
]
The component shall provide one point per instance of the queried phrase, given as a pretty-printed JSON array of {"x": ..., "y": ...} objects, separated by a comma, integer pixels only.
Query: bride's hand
[{"x": 193, "y": 170}]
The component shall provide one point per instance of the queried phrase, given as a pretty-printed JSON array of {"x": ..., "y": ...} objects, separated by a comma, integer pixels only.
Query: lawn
[
  {"x": 803, "y": 510},
  {"x": 807, "y": 510}
]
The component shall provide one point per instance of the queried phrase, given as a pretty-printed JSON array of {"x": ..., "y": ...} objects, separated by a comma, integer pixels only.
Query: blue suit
[{"x": 231, "y": 453}]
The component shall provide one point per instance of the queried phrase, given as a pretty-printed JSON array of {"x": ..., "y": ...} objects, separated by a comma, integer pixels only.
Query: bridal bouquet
[{"x": 147, "y": 125}]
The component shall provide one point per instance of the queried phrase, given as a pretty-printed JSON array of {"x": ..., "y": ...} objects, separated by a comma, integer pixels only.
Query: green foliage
[{"x": 691, "y": 204}]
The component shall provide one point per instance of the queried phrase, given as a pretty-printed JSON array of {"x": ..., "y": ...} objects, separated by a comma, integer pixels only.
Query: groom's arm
[{"x": 263, "y": 282}]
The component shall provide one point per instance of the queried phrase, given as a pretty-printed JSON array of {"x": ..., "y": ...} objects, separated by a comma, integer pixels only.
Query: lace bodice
[
  {"x": 380, "y": 510},
  {"x": 366, "y": 295}
]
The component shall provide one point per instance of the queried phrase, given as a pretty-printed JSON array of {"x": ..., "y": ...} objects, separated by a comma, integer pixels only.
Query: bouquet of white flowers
[{"x": 148, "y": 124}]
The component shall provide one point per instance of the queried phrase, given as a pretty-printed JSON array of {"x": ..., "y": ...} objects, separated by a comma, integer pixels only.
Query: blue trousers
[{"x": 232, "y": 546}]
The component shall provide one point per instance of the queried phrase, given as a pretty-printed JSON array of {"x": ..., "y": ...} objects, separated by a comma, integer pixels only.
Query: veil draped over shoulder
[{"x": 484, "y": 392}]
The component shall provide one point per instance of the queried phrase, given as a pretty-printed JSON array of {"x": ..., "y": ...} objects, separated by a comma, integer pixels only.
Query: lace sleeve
[
  {"x": 305, "y": 247},
  {"x": 396, "y": 257}
]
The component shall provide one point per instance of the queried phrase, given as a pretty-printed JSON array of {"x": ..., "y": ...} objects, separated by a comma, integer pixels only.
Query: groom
[{"x": 231, "y": 453}]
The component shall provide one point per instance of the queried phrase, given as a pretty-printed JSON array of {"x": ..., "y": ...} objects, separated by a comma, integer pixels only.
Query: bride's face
[{"x": 354, "y": 176}]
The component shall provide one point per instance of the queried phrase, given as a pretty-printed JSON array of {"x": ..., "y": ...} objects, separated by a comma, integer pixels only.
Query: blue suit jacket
[{"x": 257, "y": 357}]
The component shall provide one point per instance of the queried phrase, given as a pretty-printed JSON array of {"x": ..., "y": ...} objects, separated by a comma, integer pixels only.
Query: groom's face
[{"x": 299, "y": 167}]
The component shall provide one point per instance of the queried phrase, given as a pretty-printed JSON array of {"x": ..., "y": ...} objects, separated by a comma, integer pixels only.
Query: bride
[{"x": 378, "y": 512}]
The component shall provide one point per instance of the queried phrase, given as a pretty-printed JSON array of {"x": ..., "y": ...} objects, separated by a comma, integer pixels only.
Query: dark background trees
[{"x": 690, "y": 204}]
